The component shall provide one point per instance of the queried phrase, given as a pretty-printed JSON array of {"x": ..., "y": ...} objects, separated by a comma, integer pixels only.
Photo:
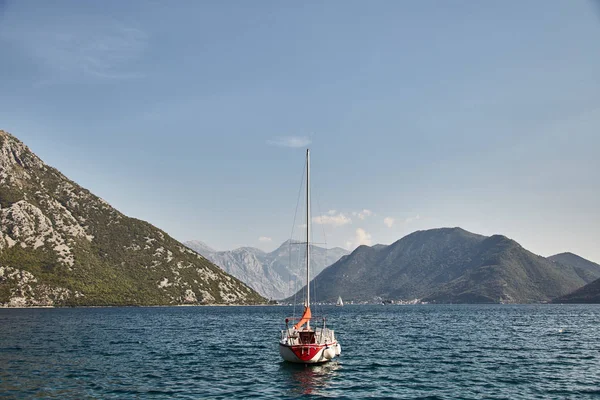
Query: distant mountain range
[
  {"x": 275, "y": 275},
  {"x": 62, "y": 245},
  {"x": 451, "y": 265},
  {"x": 200, "y": 247}
]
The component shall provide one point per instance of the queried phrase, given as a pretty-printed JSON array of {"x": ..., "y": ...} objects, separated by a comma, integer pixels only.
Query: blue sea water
[{"x": 421, "y": 351}]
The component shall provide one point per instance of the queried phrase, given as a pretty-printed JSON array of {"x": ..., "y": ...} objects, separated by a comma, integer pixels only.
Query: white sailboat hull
[
  {"x": 309, "y": 346},
  {"x": 309, "y": 354}
]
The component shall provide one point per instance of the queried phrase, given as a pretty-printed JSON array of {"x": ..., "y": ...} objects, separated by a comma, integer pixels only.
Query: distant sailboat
[
  {"x": 300, "y": 343},
  {"x": 339, "y": 303}
]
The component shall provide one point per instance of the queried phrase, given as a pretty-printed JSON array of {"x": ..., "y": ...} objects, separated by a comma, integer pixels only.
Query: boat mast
[{"x": 308, "y": 231}]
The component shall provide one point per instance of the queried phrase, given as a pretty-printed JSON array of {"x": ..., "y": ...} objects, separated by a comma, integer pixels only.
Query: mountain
[
  {"x": 448, "y": 265},
  {"x": 274, "y": 274},
  {"x": 62, "y": 245},
  {"x": 200, "y": 247},
  {"x": 587, "y": 269},
  {"x": 590, "y": 293}
]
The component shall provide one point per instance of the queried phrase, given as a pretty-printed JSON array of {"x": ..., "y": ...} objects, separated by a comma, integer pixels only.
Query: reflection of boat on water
[
  {"x": 313, "y": 380},
  {"x": 300, "y": 343},
  {"x": 339, "y": 303}
]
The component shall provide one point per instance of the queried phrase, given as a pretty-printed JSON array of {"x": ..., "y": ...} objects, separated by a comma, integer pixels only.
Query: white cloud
[
  {"x": 362, "y": 237},
  {"x": 388, "y": 221},
  {"x": 265, "y": 239},
  {"x": 332, "y": 219},
  {"x": 412, "y": 219},
  {"x": 290, "y": 141},
  {"x": 363, "y": 214},
  {"x": 331, "y": 212}
]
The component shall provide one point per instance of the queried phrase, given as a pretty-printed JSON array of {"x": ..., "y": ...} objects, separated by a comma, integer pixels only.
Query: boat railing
[
  {"x": 321, "y": 336},
  {"x": 321, "y": 333}
]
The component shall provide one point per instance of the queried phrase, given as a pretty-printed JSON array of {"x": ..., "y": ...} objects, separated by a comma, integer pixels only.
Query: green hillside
[{"x": 62, "y": 245}]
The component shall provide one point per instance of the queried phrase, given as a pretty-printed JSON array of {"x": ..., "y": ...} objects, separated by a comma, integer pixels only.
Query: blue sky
[{"x": 194, "y": 115}]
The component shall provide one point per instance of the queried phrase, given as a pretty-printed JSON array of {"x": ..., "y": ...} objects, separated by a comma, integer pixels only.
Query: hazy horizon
[{"x": 195, "y": 116}]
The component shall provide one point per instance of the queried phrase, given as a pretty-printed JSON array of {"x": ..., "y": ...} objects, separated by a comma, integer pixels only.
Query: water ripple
[{"x": 408, "y": 352}]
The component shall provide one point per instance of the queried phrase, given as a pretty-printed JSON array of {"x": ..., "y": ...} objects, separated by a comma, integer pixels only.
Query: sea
[{"x": 388, "y": 351}]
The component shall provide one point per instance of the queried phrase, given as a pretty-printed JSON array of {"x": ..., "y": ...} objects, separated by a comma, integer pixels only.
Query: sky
[{"x": 195, "y": 115}]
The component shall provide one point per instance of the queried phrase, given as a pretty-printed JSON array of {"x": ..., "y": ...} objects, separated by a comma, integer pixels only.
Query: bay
[{"x": 418, "y": 351}]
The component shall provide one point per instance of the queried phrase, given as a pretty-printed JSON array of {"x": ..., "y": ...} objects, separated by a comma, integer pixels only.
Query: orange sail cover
[{"x": 305, "y": 318}]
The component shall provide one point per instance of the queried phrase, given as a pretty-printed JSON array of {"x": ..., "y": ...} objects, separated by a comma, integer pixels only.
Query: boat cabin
[{"x": 307, "y": 337}]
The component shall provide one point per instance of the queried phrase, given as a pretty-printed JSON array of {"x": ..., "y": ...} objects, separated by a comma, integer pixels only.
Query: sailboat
[
  {"x": 339, "y": 303},
  {"x": 300, "y": 342}
]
